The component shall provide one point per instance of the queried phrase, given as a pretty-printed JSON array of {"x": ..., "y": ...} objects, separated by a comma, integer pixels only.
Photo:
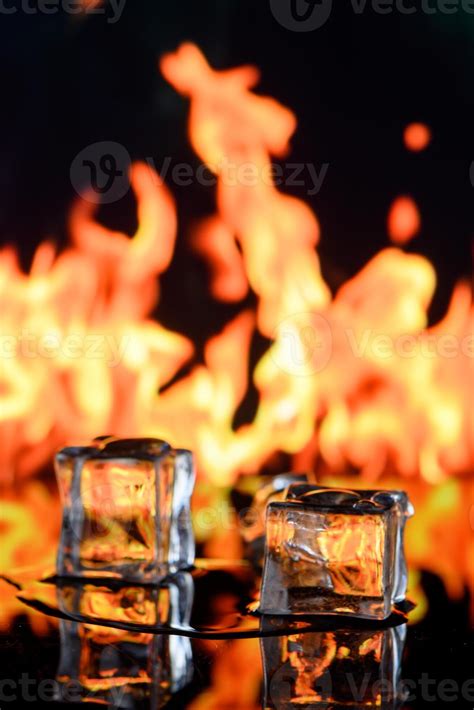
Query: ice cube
[
  {"x": 252, "y": 520},
  {"x": 335, "y": 551},
  {"x": 339, "y": 668},
  {"x": 126, "y": 509},
  {"x": 122, "y": 666}
]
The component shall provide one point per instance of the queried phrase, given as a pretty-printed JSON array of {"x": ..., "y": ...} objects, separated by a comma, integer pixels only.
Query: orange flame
[
  {"x": 355, "y": 381},
  {"x": 404, "y": 220},
  {"x": 326, "y": 365},
  {"x": 417, "y": 137},
  {"x": 29, "y": 525},
  {"x": 79, "y": 354}
]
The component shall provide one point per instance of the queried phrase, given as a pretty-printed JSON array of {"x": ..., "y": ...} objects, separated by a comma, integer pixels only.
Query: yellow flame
[{"x": 350, "y": 381}]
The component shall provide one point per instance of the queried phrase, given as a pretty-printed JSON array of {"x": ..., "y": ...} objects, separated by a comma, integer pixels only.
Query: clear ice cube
[
  {"x": 341, "y": 668},
  {"x": 335, "y": 551},
  {"x": 126, "y": 509},
  {"x": 122, "y": 667}
]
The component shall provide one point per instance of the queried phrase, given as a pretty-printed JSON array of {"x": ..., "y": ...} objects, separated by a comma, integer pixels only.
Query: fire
[
  {"x": 215, "y": 241},
  {"x": 79, "y": 352},
  {"x": 239, "y": 658},
  {"x": 29, "y": 524},
  {"x": 324, "y": 368},
  {"x": 417, "y": 136},
  {"x": 404, "y": 220},
  {"x": 354, "y": 381},
  {"x": 235, "y": 133}
]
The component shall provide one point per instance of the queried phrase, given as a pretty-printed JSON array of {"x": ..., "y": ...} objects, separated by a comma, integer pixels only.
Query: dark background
[{"x": 354, "y": 84}]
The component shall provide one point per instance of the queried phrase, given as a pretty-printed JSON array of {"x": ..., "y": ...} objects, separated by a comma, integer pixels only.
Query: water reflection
[
  {"x": 351, "y": 668},
  {"x": 121, "y": 667}
]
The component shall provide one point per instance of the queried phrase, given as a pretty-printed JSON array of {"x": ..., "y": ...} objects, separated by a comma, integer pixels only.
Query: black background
[{"x": 354, "y": 84}]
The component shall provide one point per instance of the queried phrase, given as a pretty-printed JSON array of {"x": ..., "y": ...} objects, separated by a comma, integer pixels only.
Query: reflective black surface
[{"x": 436, "y": 658}]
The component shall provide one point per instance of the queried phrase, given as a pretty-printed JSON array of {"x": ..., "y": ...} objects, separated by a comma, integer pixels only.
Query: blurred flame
[
  {"x": 215, "y": 241},
  {"x": 354, "y": 381},
  {"x": 29, "y": 525},
  {"x": 417, "y": 136},
  {"x": 238, "y": 659},
  {"x": 90, "y": 306},
  {"x": 404, "y": 220}
]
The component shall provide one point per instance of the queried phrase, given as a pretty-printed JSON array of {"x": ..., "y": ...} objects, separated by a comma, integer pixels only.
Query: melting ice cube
[
  {"x": 335, "y": 551},
  {"x": 126, "y": 509}
]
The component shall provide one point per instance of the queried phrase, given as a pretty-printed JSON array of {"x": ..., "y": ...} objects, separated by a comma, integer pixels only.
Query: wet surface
[
  {"x": 197, "y": 646},
  {"x": 214, "y": 600}
]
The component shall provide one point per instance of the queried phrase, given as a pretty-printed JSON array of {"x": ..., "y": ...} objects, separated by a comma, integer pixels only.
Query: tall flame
[
  {"x": 354, "y": 381},
  {"x": 351, "y": 365},
  {"x": 79, "y": 352}
]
